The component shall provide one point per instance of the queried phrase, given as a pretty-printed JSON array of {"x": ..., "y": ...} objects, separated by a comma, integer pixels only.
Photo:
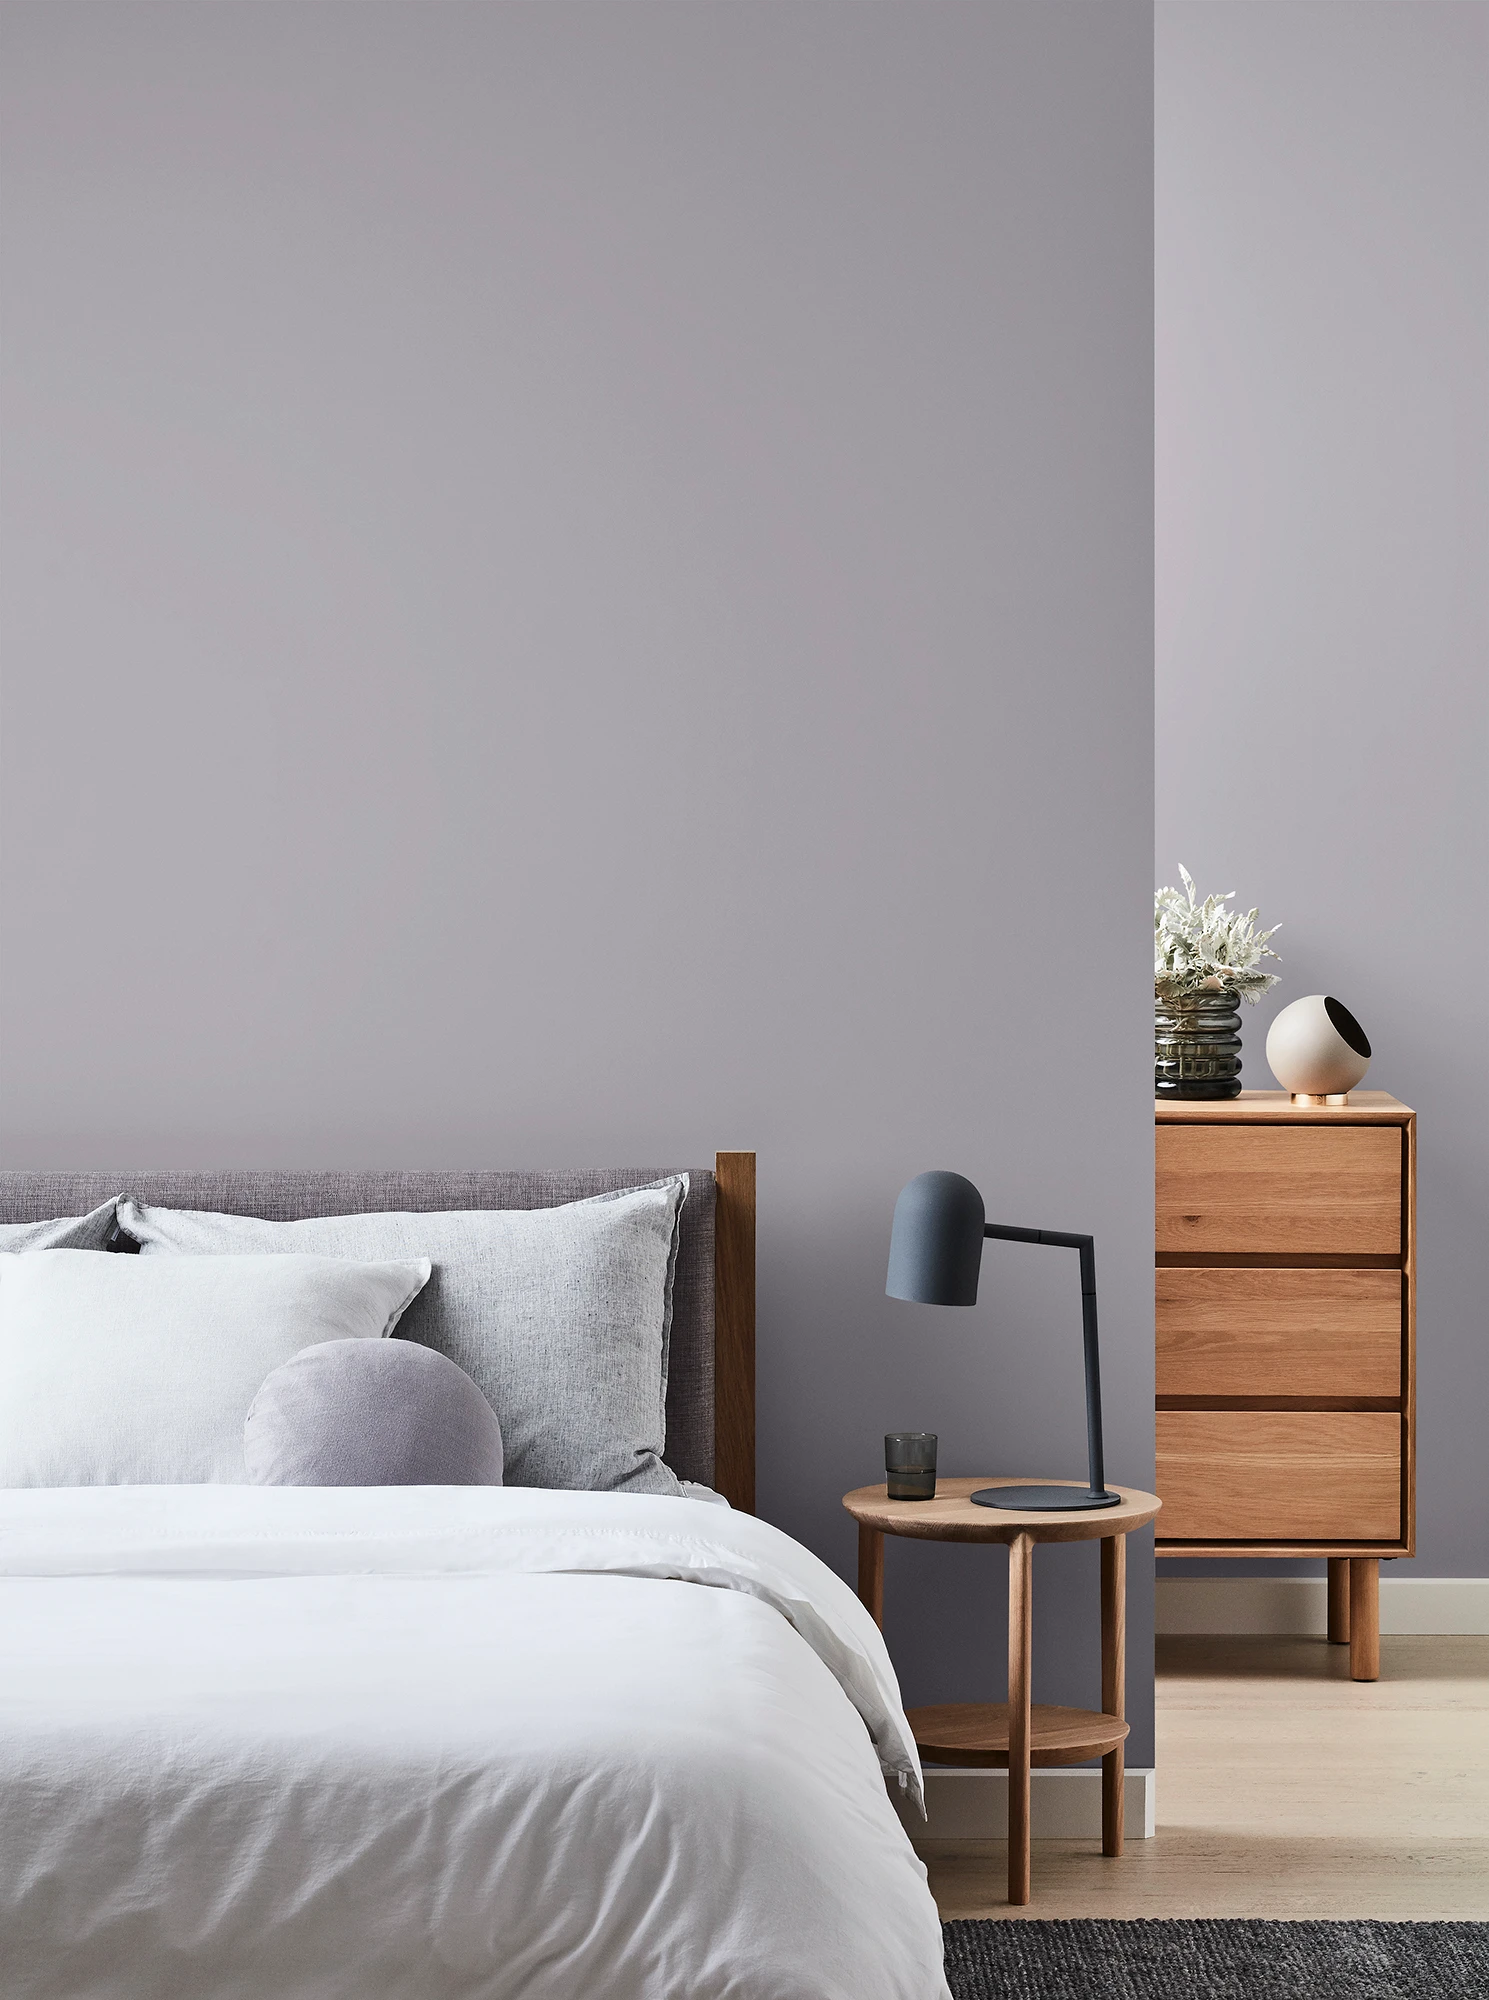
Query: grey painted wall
[
  {"x": 1322, "y": 201},
  {"x": 580, "y": 589}
]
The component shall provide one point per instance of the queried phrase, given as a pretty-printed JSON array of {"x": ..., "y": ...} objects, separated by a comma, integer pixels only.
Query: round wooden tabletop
[{"x": 951, "y": 1516}]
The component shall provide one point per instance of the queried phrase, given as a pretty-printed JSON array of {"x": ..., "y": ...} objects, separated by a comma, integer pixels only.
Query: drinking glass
[{"x": 910, "y": 1464}]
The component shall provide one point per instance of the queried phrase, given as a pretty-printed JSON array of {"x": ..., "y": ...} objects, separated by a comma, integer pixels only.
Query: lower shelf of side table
[{"x": 976, "y": 1732}]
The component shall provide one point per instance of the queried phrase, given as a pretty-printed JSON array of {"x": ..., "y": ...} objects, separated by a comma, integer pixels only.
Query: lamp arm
[{"x": 1086, "y": 1245}]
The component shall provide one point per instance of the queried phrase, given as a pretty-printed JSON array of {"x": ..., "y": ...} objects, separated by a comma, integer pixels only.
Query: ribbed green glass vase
[{"x": 1197, "y": 1045}]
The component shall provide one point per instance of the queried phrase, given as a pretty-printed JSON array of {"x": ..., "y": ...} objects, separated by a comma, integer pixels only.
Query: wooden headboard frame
[{"x": 734, "y": 1328}]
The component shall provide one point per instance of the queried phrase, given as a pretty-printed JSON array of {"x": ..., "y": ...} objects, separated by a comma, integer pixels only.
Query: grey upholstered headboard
[{"x": 286, "y": 1197}]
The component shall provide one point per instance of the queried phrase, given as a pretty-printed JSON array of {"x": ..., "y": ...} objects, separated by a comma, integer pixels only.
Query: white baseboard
[
  {"x": 1280, "y": 1606},
  {"x": 1063, "y": 1805}
]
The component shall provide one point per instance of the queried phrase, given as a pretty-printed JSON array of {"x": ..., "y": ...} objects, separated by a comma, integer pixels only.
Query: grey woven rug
[{"x": 1225, "y": 1959}]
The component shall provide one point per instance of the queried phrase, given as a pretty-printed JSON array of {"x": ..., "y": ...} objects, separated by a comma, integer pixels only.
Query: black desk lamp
[{"x": 935, "y": 1253}]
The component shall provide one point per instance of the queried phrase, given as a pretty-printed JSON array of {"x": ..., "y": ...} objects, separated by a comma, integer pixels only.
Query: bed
[{"x": 500, "y": 1743}]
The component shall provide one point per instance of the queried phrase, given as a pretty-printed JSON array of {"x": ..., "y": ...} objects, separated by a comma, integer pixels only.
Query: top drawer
[{"x": 1266, "y": 1189}]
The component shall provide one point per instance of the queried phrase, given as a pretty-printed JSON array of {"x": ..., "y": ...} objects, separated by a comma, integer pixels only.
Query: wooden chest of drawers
[{"x": 1285, "y": 1308}]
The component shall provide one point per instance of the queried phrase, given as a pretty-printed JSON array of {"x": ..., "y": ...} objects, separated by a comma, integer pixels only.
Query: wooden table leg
[
  {"x": 871, "y": 1572},
  {"x": 1364, "y": 1618},
  {"x": 1338, "y": 1600},
  {"x": 1113, "y": 1684},
  {"x": 1020, "y": 1681}
]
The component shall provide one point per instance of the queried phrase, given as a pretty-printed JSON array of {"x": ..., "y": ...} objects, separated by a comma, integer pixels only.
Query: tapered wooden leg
[
  {"x": 1020, "y": 1677},
  {"x": 1338, "y": 1600},
  {"x": 871, "y": 1572},
  {"x": 1113, "y": 1683},
  {"x": 1364, "y": 1618}
]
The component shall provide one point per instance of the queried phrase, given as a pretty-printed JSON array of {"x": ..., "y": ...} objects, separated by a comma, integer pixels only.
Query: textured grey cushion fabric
[
  {"x": 288, "y": 1195},
  {"x": 559, "y": 1314},
  {"x": 68, "y": 1232},
  {"x": 139, "y": 1371},
  {"x": 371, "y": 1413}
]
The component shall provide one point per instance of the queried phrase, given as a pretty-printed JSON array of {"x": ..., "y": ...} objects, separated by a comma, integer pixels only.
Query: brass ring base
[{"x": 1314, "y": 1097}]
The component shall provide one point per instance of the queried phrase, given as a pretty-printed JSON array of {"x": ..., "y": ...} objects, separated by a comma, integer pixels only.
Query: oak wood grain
[
  {"x": 1272, "y": 1332},
  {"x": 1270, "y": 1260},
  {"x": 1409, "y": 1242},
  {"x": 951, "y": 1516},
  {"x": 1020, "y": 1685},
  {"x": 1392, "y": 1403},
  {"x": 734, "y": 1329},
  {"x": 1267, "y": 1188},
  {"x": 1264, "y": 1545},
  {"x": 1015, "y": 1733},
  {"x": 1113, "y": 1684},
  {"x": 1364, "y": 1619},
  {"x": 1275, "y": 1107},
  {"x": 975, "y": 1733},
  {"x": 1290, "y": 1474},
  {"x": 1198, "y": 1373}
]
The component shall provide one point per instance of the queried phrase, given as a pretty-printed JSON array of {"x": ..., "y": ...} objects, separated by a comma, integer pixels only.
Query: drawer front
[
  {"x": 1279, "y": 1332},
  {"x": 1280, "y": 1475},
  {"x": 1290, "y": 1188}
]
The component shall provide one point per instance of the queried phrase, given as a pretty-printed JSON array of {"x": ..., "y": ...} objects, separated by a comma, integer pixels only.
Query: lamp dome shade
[
  {"x": 1316, "y": 1047},
  {"x": 935, "y": 1247}
]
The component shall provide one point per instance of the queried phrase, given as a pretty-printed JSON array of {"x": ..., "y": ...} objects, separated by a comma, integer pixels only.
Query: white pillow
[{"x": 124, "y": 1371}]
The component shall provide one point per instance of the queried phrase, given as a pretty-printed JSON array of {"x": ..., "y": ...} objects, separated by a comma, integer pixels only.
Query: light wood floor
[{"x": 1285, "y": 1789}]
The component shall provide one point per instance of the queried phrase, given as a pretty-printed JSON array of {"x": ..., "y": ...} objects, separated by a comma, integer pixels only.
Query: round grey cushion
[{"x": 371, "y": 1413}]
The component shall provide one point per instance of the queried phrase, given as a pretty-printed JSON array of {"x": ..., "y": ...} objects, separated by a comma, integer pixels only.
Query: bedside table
[{"x": 1017, "y": 1734}]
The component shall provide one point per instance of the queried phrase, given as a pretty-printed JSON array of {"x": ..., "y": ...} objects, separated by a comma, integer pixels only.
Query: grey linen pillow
[
  {"x": 560, "y": 1315},
  {"x": 69, "y": 1232},
  {"x": 371, "y": 1413}
]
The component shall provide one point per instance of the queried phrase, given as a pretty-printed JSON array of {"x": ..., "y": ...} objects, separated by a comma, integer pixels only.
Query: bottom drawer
[{"x": 1280, "y": 1475}]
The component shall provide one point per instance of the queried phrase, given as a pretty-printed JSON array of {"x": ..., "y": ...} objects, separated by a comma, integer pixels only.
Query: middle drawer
[{"x": 1278, "y": 1332}]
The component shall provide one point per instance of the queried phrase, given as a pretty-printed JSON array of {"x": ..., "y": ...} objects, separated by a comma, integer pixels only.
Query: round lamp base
[{"x": 1043, "y": 1499}]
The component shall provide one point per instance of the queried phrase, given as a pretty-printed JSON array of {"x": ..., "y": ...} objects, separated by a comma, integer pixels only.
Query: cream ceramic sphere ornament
[{"x": 1317, "y": 1050}]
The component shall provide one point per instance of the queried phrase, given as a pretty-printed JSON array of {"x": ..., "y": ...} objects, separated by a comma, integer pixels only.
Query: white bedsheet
[{"x": 362, "y": 1744}]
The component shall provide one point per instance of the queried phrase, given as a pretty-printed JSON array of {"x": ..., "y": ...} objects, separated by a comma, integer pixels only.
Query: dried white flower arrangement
[{"x": 1203, "y": 947}]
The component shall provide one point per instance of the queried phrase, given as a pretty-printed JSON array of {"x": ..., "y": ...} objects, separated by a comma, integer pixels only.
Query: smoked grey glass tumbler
[{"x": 910, "y": 1464}]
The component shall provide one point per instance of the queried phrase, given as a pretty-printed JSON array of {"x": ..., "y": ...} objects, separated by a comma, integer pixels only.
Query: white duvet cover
[{"x": 424, "y": 1743}]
